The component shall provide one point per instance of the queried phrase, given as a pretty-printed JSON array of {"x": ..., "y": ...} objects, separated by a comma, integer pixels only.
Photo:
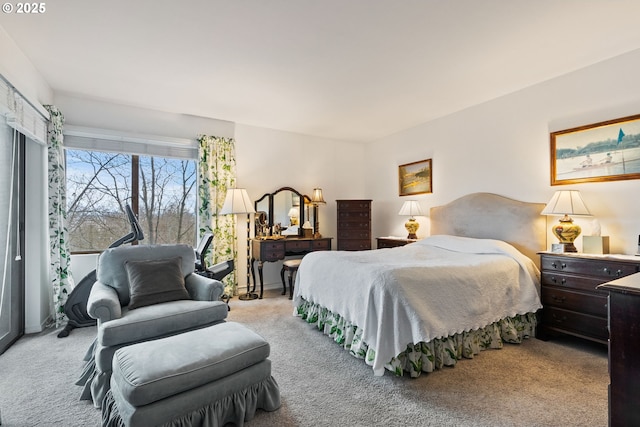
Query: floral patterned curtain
[
  {"x": 60, "y": 254},
  {"x": 216, "y": 174}
]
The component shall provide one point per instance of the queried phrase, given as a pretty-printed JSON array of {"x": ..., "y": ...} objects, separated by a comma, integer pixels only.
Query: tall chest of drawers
[
  {"x": 571, "y": 303},
  {"x": 354, "y": 225}
]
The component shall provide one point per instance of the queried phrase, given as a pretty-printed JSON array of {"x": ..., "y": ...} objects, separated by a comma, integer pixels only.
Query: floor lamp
[{"x": 237, "y": 202}]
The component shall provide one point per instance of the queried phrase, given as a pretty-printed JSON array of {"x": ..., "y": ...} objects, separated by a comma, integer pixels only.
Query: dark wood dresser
[
  {"x": 624, "y": 348},
  {"x": 392, "y": 242},
  {"x": 354, "y": 225},
  {"x": 571, "y": 303}
]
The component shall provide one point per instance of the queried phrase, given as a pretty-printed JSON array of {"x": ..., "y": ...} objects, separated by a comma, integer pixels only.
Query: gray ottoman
[{"x": 206, "y": 377}]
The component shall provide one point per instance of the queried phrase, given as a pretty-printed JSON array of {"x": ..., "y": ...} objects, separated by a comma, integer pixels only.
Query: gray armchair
[{"x": 139, "y": 296}]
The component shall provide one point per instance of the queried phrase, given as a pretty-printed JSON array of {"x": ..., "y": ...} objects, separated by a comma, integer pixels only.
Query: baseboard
[{"x": 43, "y": 325}]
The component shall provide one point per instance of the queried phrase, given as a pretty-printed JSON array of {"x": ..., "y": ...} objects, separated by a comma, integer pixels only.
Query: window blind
[
  {"x": 21, "y": 115},
  {"x": 121, "y": 142}
]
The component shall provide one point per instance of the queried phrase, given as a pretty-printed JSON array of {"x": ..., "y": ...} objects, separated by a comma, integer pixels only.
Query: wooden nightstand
[
  {"x": 392, "y": 242},
  {"x": 571, "y": 303}
]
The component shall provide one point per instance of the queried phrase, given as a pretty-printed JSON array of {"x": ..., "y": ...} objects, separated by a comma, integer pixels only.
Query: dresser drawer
[
  {"x": 392, "y": 243},
  {"x": 321, "y": 245},
  {"x": 272, "y": 255},
  {"x": 354, "y": 216},
  {"x": 354, "y": 234},
  {"x": 571, "y": 281},
  {"x": 605, "y": 269},
  {"x": 354, "y": 205},
  {"x": 570, "y": 321},
  {"x": 276, "y": 245},
  {"x": 349, "y": 226},
  {"x": 354, "y": 245},
  {"x": 298, "y": 246},
  {"x": 268, "y": 250},
  {"x": 590, "y": 304}
]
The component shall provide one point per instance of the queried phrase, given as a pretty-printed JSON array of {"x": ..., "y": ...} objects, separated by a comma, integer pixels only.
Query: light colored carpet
[{"x": 556, "y": 383}]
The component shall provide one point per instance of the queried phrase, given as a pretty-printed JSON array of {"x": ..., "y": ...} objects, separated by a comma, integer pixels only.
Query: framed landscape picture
[
  {"x": 605, "y": 151},
  {"x": 415, "y": 178}
]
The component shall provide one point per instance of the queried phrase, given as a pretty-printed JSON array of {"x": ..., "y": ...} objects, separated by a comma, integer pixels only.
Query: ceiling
[{"x": 345, "y": 69}]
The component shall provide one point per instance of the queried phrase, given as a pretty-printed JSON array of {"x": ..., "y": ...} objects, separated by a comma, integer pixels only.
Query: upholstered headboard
[{"x": 490, "y": 216}]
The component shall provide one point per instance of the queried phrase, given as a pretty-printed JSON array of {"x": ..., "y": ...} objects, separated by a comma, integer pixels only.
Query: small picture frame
[
  {"x": 558, "y": 248},
  {"x": 415, "y": 178},
  {"x": 604, "y": 151}
]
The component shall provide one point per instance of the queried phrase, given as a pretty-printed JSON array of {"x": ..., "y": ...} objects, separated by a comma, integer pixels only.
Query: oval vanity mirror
[{"x": 282, "y": 212}]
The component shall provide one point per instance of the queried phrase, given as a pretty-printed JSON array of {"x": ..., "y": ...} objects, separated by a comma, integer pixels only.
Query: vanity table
[
  {"x": 269, "y": 250},
  {"x": 285, "y": 209}
]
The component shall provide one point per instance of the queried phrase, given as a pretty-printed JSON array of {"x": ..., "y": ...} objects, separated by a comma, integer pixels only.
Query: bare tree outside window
[
  {"x": 99, "y": 185},
  {"x": 167, "y": 200}
]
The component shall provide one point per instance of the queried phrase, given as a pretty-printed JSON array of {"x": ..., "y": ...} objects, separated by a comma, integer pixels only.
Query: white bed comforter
[{"x": 436, "y": 287}]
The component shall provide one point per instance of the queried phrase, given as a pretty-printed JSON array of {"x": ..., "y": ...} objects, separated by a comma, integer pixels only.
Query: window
[{"x": 160, "y": 190}]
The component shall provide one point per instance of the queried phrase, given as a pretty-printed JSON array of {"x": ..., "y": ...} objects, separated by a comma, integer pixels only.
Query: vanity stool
[
  {"x": 210, "y": 376},
  {"x": 290, "y": 265}
]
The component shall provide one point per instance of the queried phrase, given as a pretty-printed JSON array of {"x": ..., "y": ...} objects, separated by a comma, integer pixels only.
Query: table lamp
[
  {"x": 411, "y": 208},
  {"x": 316, "y": 200},
  {"x": 565, "y": 203}
]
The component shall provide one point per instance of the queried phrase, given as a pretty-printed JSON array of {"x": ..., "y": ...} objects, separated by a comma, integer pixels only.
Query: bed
[{"x": 473, "y": 284}]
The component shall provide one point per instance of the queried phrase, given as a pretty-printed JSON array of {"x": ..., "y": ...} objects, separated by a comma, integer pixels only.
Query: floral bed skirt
[{"x": 423, "y": 356}]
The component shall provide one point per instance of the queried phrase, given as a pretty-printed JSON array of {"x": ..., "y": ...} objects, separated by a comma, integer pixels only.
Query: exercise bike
[
  {"x": 217, "y": 271},
  {"x": 76, "y": 306}
]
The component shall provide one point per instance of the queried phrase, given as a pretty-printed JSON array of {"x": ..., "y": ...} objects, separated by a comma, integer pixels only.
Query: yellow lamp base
[
  {"x": 567, "y": 232},
  {"x": 412, "y": 226}
]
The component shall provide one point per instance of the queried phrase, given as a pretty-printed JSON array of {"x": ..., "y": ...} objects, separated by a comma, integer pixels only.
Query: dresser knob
[
  {"x": 557, "y": 299},
  {"x": 608, "y": 271}
]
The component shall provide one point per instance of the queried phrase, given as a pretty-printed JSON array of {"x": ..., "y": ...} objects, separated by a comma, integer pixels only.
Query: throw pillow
[{"x": 155, "y": 281}]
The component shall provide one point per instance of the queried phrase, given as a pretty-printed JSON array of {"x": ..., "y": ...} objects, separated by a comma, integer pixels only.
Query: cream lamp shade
[
  {"x": 237, "y": 201},
  {"x": 317, "y": 198},
  {"x": 411, "y": 208},
  {"x": 565, "y": 203}
]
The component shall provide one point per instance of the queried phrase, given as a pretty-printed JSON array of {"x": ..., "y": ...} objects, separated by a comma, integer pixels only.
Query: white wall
[{"x": 503, "y": 146}]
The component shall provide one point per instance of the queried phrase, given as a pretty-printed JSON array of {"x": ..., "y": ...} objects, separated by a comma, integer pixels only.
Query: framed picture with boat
[
  {"x": 415, "y": 178},
  {"x": 605, "y": 151}
]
